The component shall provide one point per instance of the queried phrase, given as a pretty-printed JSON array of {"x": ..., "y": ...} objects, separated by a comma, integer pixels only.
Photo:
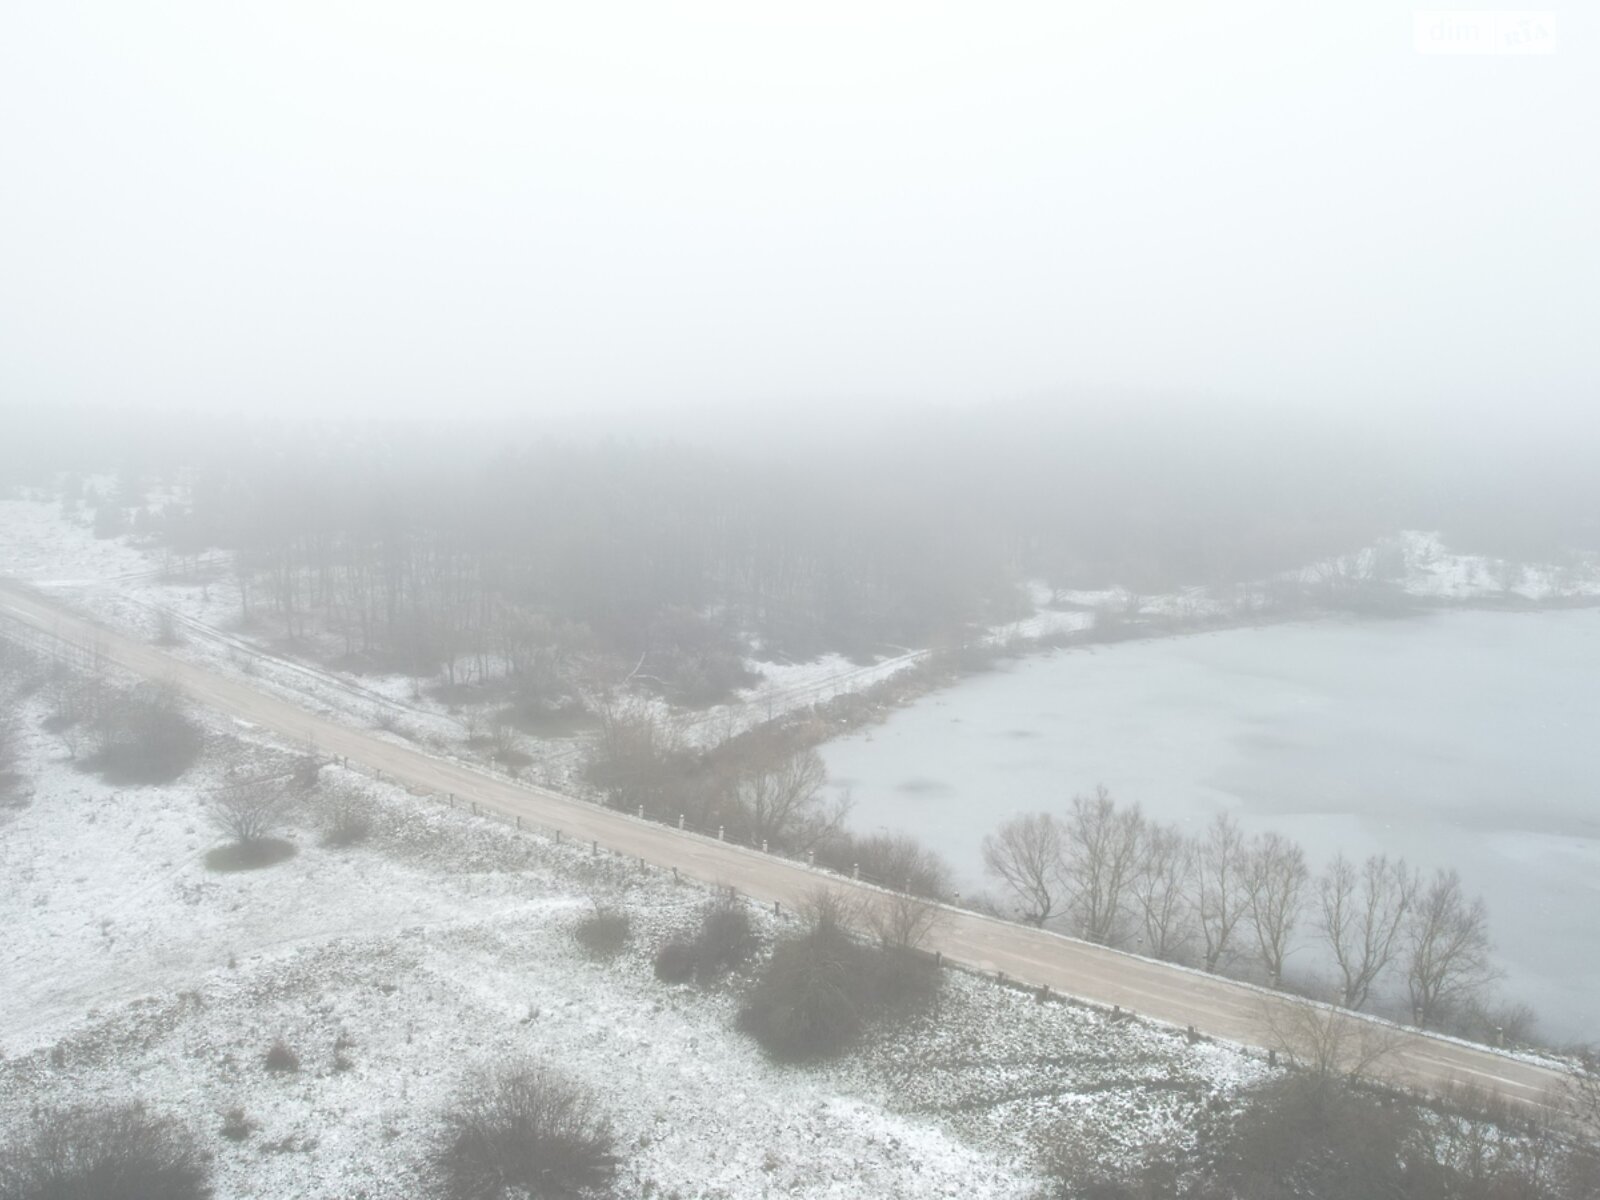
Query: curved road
[{"x": 1212, "y": 1006}]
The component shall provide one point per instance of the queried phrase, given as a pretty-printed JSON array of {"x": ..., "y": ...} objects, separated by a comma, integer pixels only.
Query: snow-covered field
[{"x": 394, "y": 966}]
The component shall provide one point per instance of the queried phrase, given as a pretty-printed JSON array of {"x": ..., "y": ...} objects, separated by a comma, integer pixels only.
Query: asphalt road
[{"x": 1212, "y": 1006}]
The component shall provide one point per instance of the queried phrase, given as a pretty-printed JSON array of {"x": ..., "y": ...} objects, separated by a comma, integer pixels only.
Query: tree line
[
  {"x": 534, "y": 560},
  {"x": 1226, "y": 901}
]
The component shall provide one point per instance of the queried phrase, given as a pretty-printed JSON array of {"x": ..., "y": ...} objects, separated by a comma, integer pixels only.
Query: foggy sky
[{"x": 462, "y": 208}]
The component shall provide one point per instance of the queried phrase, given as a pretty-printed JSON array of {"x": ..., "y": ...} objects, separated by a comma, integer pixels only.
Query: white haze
[{"x": 388, "y": 208}]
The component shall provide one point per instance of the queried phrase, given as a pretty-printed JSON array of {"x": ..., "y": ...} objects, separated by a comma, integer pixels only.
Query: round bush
[
  {"x": 523, "y": 1131},
  {"x": 101, "y": 1152},
  {"x": 603, "y": 933},
  {"x": 808, "y": 1002},
  {"x": 675, "y": 962},
  {"x": 726, "y": 936}
]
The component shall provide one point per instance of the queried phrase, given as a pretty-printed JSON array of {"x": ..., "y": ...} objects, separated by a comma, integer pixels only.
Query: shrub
[
  {"x": 341, "y": 1058},
  {"x": 347, "y": 819},
  {"x": 523, "y": 1130},
  {"x": 237, "y": 1125},
  {"x": 808, "y": 1002},
  {"x": 675, "y": 962},
  {"x": 145, "y": 737},
  {"x": 727, "y": 937},
  {"x": 1078, "y": 1172},
  {"x": 282, "y": 1059},
  {"x": 250, "y": 810},
  {"x": 900, "y": 980},
  {"x": 307, "y": 770},
  {"x": 100, "y": 1151},
  {"x": 821, "y": 988},
  {"x": 1317, "y": 1136},
  {"x": 603, "y": 932}
]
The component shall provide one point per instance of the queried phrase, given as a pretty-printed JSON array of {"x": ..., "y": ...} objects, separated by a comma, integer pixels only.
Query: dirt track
[{"x": 1213, "y": 1006}]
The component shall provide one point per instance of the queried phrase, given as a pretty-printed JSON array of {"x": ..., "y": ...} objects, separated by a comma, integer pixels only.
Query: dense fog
[{"x": 880, "y": 599}]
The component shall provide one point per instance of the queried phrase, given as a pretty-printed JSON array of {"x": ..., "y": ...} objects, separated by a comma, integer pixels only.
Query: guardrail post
[
  {"x": 763, "y": 845},
  {"x": 719, "y": 833},
  {"x": 594, "y": 846},
  {"x": 811, "y": 858},
  {"x": 855, "y": 870},
  {"x": 776, "y": 910},
  {"x": 558, "y": 837},
  {"x": 641, "y": 812},
  {"x": 519, "y": 820},
  {"x": 680, "y": 820}
]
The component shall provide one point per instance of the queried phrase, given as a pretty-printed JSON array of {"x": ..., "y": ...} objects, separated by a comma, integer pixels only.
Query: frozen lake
[{"x": 1460, "y": 739}]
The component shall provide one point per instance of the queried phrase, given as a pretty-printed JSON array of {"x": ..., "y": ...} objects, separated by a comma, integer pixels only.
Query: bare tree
[
  {"x": 1102, "y": 857},
  {"x": 249, "y": 811},
  {"x": 1275, "y": 878},
  {"x": 783, "y": 803},
  {"x": 902, "y": 921},
  {"x": 825, "y": 907},
  {"x": 892, "y": 860},
  {"x": 506, "y": 739},
  {"x": 1219, "y": 895},
  {"x": 1326, "y": 1042},
  {"x": 1028, "y": 856},
  {"x": 1162, "y": 891},
  {"x": 640, "y": 758},
  {"x": 1447, "y": 948},
  {"x": 1361, "y": 914}
]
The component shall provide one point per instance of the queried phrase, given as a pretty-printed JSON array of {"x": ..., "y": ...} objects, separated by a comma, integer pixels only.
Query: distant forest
[{"x": 472, "y": 551}]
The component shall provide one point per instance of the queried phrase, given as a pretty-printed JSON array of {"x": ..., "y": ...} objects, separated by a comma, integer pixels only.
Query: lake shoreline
[{"x": 1346, "y": 733}]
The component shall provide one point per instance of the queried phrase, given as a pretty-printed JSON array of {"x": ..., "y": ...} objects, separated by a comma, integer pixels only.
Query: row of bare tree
[{"x": 1110, "y": 875}]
